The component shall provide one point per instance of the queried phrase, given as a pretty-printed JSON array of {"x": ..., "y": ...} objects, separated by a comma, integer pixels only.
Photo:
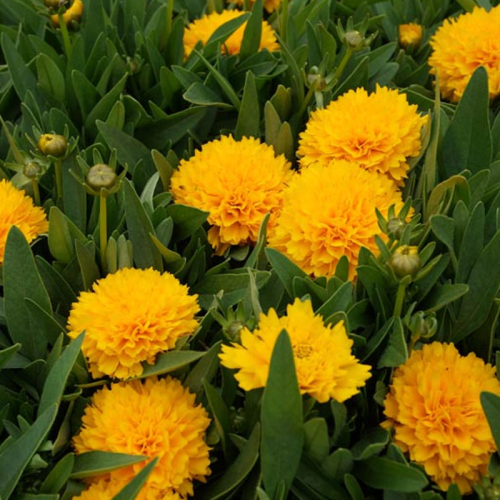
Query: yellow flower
[
  {"x": 434, "y": 407},
  {"x": 202, "y": 29},
  {"x": 377, "y": 131},
  {"x": 129, "y": 317},
  {"x": 238, "y": 182},
  {"x": 17, "y": 209},
  {"x": 325, "y": 366},
  {"x": 329, "y": 212},
  {"x": 269, "y": 5},
  {"x": 74, "y": 13},
  {"x": 410, "y": 34},
  {"x": 155, "y": 418},
  {"x": 461, "y": 45}
]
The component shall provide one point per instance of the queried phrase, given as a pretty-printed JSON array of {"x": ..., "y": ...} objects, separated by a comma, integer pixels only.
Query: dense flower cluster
[
  {"x": 436, "y": 413},
  {"x": 129, "y": 317},
  {"x": 463, "y": 44},
  {"x": 325, "y": 365}
]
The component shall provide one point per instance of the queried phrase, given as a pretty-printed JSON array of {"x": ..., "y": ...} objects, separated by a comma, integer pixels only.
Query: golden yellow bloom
[
  {"x": 325, "y": 365},
  {"x": 74, "y": 13},
  {"x": 410, "y": 34},
  {"x": 269, "y": 5},
  {"x": 377, "y": 131},
  {"x": 155, "y": 418},
  {"x": 463, "y": 44},
  {"x": 238, "y": 182},
  {"x": 202, "y": 29},
  {"x": 17, "y": 209},
  {"x": 329, "y": 212},
  {"x": 129, "y": 317},
  {"x": 434, "y": 407}
]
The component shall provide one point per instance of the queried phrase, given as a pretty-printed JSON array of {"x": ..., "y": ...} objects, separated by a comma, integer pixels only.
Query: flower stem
[
  {"x": 170, "y": 14},
  {"x": 103, "y": 229},
  {"x": 36, "y": 192},
  {"x": 284, "y": 21},
  {"x": 343, "y": 64},
  {"x": 307, "y": 99},
  {"x": 400, "y": 297},
  {"x": 467, "y": 5},
  {"x": 246, "y": 5},
  {"x": 65, "y": 35},
  {"x": 59, "y": 179}
]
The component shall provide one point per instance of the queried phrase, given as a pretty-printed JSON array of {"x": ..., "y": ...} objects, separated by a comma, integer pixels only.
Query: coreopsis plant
[{"x": 249, "y": 249}]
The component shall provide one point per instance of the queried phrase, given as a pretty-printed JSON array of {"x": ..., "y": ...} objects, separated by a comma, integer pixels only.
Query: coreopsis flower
[
  {"x": 269, "y": 5},
  {"x": 74, "y": 13},
  {"x": 202, "y": 29},
  {"x": 325, "y": 365},
  {"x": 435, "y": 410},
  {"x": 238, "y": 182},
  {"x": 129, "y": 317},
  {"x": 154, "y": 418},
  {"x": 328, "y": 212},
  {"x": 463, "y": 44},
  {"x": 378, "y": 131},
  {"x": 410, "y": 34},
  {"x": 17, "y": 209}
]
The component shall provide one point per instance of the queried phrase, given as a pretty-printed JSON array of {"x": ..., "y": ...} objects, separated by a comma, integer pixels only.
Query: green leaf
[
  {"x": 284, "y": 268},
  {"x": 253, "y": 32},
  {"x": 132, "y": 489},
  {"x": 199, "y": 93},
  {"x": 62, "y": 235},
  {"x": 220, "y": 414},
  {"x": 248, "y": 124},
  {"x": 140, "y": 227},
  {"x": 169, "y": 362},
  {"x": 50, "y": 78},
  {"x": 443, "y": 295},
  {"x": 53, "y": 389},
  {"x": 444, "y": 229},
  {"x": 384, "y": 474},
  {"x": 95, "y": 463},
  {"x": 468, "y": 143},
  {"x": 396, "y": 352},
  {"x": 16, "y": 457},
  {"x": 46, "y": 322},
  {"x": 236, "y": 472},
  {"x": 85, "y": 255},
  {"x": 205, "y": 369},
  {"x": 316, "y": 443},
  {"x": 281, "y": 417},
  {"x": 21, "y": 281},
  {"x": 6, "y": 354},
  {"x": 491, "y": 407},
  {"x": 341, "y": 300},
  {"x": 59, "y": 475},
  {"x": 186, "y": 220}
]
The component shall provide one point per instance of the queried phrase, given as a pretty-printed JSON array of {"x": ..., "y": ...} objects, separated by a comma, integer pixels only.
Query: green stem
[
  {"x": 59, "y": 179},
  {"x": 36, "y": 192},
  {"x": 340, "y": 68},
  {"x": 307, "y": 99},
  {"x": 65, "y": 35},
  {"x": 467, "y": 5},
  {"x": 400, "y": 298},
  {"x": 246, "y": 5},
  {"x": 284, "y": 21},
  {"x": 170, "y": 14},
  {"x": 103, "y": 229}
]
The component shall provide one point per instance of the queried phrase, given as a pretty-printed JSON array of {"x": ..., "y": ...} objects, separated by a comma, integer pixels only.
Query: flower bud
[
  {"x": 354, "y": 40},
  {"x": 396, "y": 226},
  {"x": 492, "y": 492},
  {"x": 73, "y": 14},
  {"x": 53, "y": 144},
  {"x": 52, "y": 4},
  {"x": 32, "y": 170},
  {"x": 101, "y": 176},
  {"x": 410, "y": 34},
  {"x": 317, "y": 80},
  {"x": 405, "y": 261},
  {"x": 234, "y": 329}
]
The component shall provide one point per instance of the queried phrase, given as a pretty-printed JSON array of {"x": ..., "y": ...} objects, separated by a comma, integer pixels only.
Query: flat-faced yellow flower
[
  {"x": 435, "y": 410},
  {"x": 410, "y": 34},
  {"x": 269, "y": 5},
  {"x": 202, "y": 29},
  {"x": 328, "y": 212},
  {"x": 129, "y": 317},
  {"x": 378, "y": 131},
  {"x": 325, "y": 365},
  {"x": 463, "y": 44},
  {"x": 238, "y": 182},
  {"x": 154, "y": 418},
  {"x": 17, "y": 209}
]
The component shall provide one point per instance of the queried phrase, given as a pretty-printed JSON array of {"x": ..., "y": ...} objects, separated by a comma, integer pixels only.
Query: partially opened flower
[
  {"x": 269, "y": 5},
  {"x": 435, "y": 410},
  {"x": 410, "y": 34},
  {"x": 202, "y": 29},
  {"x": 129, "y": 317},
  {"x": 463, "y": 44},
  {"x": 330, "y": 211},
  {"x": 377, "y": 131},
  {"x": 154, "y": 418},
  {"x": 238, "y": 182},
  {"x": 17, "y": 209},
  {"x": 325, "y": 365}
]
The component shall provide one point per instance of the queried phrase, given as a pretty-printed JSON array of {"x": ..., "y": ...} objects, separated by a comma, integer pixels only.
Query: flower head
[
  {"x": 434, "y": 407},
  {"x": 202, "y": 29},
  {"x": 377, "y": 131},
  {"x": 325, "y": 365},
  {"x": 129, "y": 317},
  {"x": 269, "y": 5},
  {"x": 238, "y": 182},
  {"x": 74, "y": 13},
  {"x": 316, "y": 239},
  {"x": 17, "y": 209},
  {"x": 463, "y": 44},
  {"x": 155, "y": 418},
  {"x": 410, "y": 34}
]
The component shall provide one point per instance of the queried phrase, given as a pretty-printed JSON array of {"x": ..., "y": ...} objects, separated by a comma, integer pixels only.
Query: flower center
[{"x": 302, "y": 351}]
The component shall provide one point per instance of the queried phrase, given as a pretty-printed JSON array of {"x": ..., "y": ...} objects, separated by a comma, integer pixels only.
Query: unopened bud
[
  {"x": 395, "y": 226},
  {"x": 405, "y": 261},
  {"x": 316, "y": 80},
  {"x": 53, "y": 144},
  {"x": 354, "y": 40},
  {"x": 32, "y": 170},
  {"x": 101, "y": 176},
  {"x": 54, "y": 4},
  {"x": 410, "y": 34},
  {"x": 234, "y": 329}
]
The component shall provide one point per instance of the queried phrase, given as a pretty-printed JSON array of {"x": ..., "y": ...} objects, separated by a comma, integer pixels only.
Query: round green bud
[
  {"x": 32, "y": 170},
  {"x": 405, "y": 261},
  {"x": 53, "y": 144},
  {"x": 396, "y": 226},
  {"x": 101, "y": 176},
  {"x": 354, "y": 40}
]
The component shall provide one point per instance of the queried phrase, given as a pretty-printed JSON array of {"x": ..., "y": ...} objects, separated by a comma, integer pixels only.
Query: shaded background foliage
[{"x": 126, "y": 90}]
